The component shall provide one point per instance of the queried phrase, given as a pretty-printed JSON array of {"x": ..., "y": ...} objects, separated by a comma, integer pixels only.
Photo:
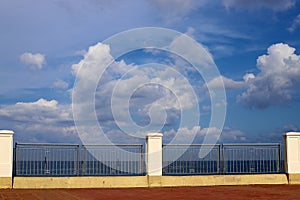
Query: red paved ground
[{"x": 285, "y": 192}]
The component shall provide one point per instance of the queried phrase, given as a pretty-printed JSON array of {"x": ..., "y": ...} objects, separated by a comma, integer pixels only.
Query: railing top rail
[
  {"x": 100, "y": 145},
  {"x": 252, "y": 144},
  {"x": 67, "y": 144},
  {"x": 191, "y": 145},
  {"x": 90, "y": 145},
  {"x": 46, "y": 144},
  {"x": 228, "y": 144}
]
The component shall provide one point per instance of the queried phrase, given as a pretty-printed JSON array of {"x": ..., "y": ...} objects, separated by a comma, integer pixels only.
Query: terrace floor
[{"x": 285, "y": 192}]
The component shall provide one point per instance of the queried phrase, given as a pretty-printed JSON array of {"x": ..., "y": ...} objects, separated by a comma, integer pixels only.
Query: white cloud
[
  {"x": 221, "y": 81},
  {"x": 275, "y": 84},
  {"x": 232, "y": 135},
  {"x": 277, "y": 80},
  {"x": 248, "y": 77},
  {"x": 40, "y": 111},
  {"x": 183, "y": 135},
  {"x": 212, "y": 131},
  {"x": 98, "y": 56},
  {"x": 295, "y": 24},
  {"x": 147, "y": 87},
  {"x": 227, "y": 135},
  {"x": 154, "y": 92},
  {"x": 61, "y": 84},
  {"x": 276, "y": 5},
  {"x": 87, "y": 72},
  {"x": 34, "y": 61},
  {"x": 41, "y": 121}
]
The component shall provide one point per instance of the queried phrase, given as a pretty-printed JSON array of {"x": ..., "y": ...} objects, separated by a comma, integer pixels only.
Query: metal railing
[
  {"x": 185, "y": 159},
  {"x": 46, "y": 159},
  {"x": 97, "y": 160},
  {"x": 76, "y": 160},
  {"x": 112, "y": 160},
  {"x": 222, "y": 159},
  {"x": 251, "y": 158}
]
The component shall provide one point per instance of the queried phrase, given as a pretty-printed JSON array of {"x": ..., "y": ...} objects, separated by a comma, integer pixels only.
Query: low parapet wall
[
  {"x": 224, "y": 180},
  {"x": 81, "y": 182},
  {"x": 5, "y": 182},
  {"x": 146, "y": 181}
]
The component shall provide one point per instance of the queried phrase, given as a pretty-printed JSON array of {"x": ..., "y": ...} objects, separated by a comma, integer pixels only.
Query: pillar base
[
  {"x": 5, "y": 182},
  {"x": 154, "y": 181},
  {"x": 294, "y": 178}
]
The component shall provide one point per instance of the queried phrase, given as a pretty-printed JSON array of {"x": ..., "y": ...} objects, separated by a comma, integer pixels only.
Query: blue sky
[{"x": 255, "y": 46}]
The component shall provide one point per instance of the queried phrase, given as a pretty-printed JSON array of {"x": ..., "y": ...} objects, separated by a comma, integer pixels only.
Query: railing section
[
  {"x": 251, "y": 158},
  {"x": 187, "y": 159},
  {"x": 97, "y": 160},
  {"x": 222, "y": 159},
  {"x": 112, "y": 160},
  {"x": 76, "y": 160},
  {"x": 46, "y": 160}
]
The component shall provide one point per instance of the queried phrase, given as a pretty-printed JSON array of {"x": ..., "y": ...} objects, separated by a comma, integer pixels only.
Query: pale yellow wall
[
  {"x": 147, "y": 181},
  {"x": 224, "y": 180},
  {"x": 81, "y": 182},
  {"x": 294, "y": 178},
  {"x": 5, "y": 182}
]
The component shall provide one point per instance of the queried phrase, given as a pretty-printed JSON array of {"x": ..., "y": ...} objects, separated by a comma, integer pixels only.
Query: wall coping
[
  {"x": 149, "y": 135},
  {"x": 7, "y": 132},
  {"x": 292, "y": 134}
]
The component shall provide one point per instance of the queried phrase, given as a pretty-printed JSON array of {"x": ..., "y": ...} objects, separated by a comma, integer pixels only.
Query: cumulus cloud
[
  {"x": 34, "y": 61},
  {"x": 221, "y": 82},
  {"x": 276, "y": 83},
  {"x": 248, "y": 77},
  {"x": 277, "y": 80},
  {"x": 232, "y": 135},
  {"x": 39, "y": 111},
  {"x": 151, "y": 93},
  {"x": 156, "y": 92},
  {"x": 295, "y": 24},
  {"x": 41, "y": 121},
  {"x": 227, "y": 134},
  {"x": 61, "y": 84},
  {"x": 183, "y": 135},
  {"x": 276, "y": 5}
]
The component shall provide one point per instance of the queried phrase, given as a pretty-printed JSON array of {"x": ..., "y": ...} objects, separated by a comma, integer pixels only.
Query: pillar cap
[
  {"x": 154, "y": 135},
  {"x": 292, "y": 134},
  {"x": 6, "y": 132}
]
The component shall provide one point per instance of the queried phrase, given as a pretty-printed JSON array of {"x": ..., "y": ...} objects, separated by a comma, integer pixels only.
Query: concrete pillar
[
  {"x": 292, "y": 156},
  {"x": 6, "y": 158},
  {"x": 154, "y": 154},
  {"x": 154, "y": 158}
]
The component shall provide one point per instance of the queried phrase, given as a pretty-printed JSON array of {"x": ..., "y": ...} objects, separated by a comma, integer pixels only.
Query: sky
[{"x": 59, "y": 70}]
